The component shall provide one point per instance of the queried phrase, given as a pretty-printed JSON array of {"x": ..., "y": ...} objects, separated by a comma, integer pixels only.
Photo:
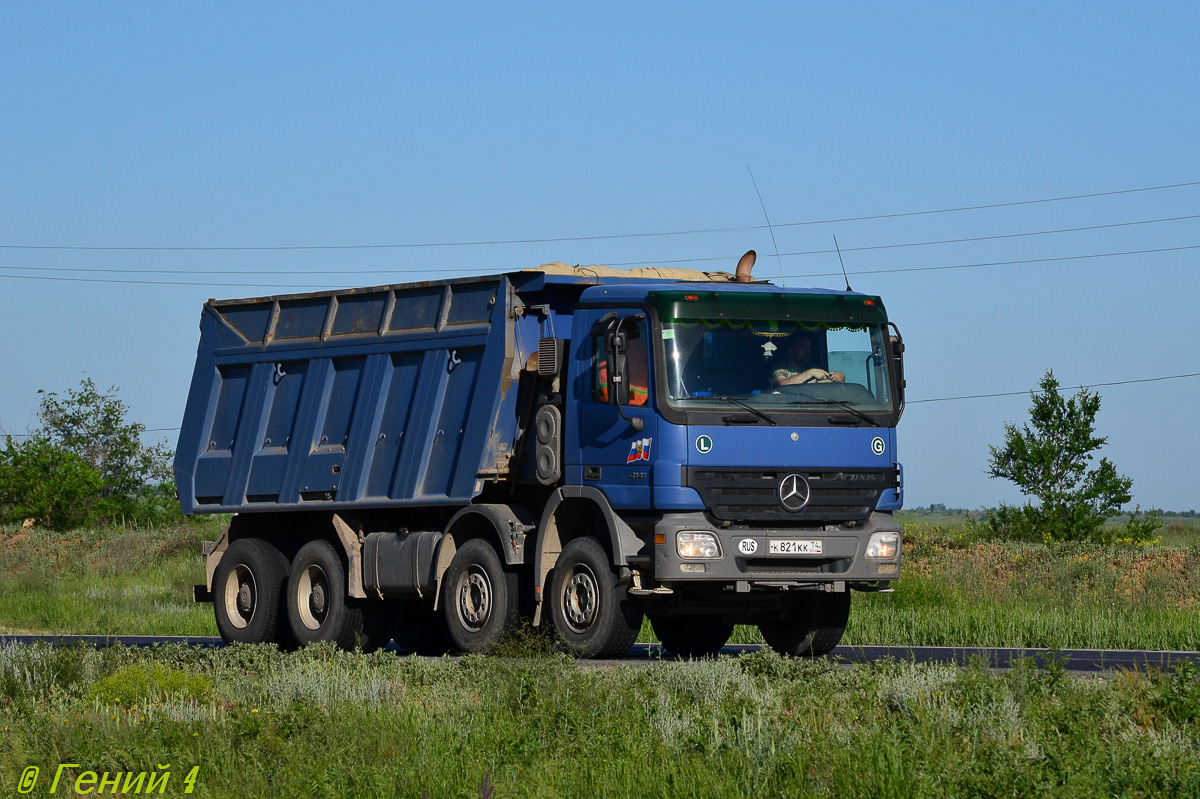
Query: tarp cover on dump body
[{"x": 371, "y": 397}]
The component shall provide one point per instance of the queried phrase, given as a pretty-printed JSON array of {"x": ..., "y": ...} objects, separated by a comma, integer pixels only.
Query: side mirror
[
  {"x": 616, "y": 347},
  {"x": 897, "y": 347},
  {"x": 616, "y": 362}
]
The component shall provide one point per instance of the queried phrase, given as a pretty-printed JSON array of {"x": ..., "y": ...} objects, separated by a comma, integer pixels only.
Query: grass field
[
  {"x": 533, "y": 722},
  {"x": 321, "y": 722},
  {"x": 955, "y": 590}
]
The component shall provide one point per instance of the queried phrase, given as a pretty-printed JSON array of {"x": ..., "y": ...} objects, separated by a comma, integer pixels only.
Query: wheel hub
[
  {"x": 475, "y": 599},
  {"x": 312, "y": 594},
  {"x": 580, "y": 600},
  {"x": 240, "y": 596}
]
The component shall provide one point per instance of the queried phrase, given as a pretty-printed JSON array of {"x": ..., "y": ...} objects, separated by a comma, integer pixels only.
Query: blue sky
[{"x": 229, "y": 125}]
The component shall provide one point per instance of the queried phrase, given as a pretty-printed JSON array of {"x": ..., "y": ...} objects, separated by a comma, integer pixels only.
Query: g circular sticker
[
  {"x": 747, "y": 546},
  {"x": 877, "y": 445},
  {"x": 703, "y": 445}
]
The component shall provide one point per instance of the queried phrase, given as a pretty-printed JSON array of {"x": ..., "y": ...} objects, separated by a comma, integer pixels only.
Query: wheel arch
[
  {"x": 503, "y": 525},
  {"x": 572, "y": 512}
]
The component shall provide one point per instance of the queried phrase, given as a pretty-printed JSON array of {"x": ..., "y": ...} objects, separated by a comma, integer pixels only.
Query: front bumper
[{"x": 842, "y": 556}]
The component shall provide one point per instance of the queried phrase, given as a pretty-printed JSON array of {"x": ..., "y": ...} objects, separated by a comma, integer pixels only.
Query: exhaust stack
[{"x": 745, "y": 264}]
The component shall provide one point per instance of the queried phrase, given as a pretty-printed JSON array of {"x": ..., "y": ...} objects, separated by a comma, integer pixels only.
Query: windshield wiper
[
  {"x": 739, "y": 403},
  {"x": 840, "y": 403}
]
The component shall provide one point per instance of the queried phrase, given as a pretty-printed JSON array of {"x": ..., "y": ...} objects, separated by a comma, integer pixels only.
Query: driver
[{"x": 800, "y": 368}]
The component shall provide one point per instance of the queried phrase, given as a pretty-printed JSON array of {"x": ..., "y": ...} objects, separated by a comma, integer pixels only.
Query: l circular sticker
[
  {"x": 703, "y": 445},
  {"x": 747, "y": 546},
  {"x": 877, "y": 445}
]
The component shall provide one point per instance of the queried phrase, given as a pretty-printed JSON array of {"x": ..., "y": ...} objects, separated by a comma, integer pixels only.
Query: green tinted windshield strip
[{"x": 828, "y": 309}]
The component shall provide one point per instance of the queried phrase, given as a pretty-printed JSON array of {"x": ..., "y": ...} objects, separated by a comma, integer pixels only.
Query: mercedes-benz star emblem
[{"x": 794, "y": 492}]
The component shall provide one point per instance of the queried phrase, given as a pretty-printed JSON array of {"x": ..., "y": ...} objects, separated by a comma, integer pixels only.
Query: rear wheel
[
  {"x": 814, "y": 628},
  {"x": 246, "y": 590},
  {"x": 596, "y": 617},
  {"x": 692, "y": 636},
  {"x": 479, "y": 598},
  {"x": 317, "y": 605}
]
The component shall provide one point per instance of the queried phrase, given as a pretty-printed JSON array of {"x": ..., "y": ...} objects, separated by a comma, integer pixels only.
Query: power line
[
  {"x": 603, "y": 237},
  {"x": 146, "y": 430},
  {"x": 167, "y": 282},
  {"x": 1002, "y": 263},
  {"x": 1039, "y": 391},
  {"x": 341, "y": 272},
  {"x": 907, "y": 402},
  {"x": 292, "y": 286},
  {"x": 919, "y": 243}
]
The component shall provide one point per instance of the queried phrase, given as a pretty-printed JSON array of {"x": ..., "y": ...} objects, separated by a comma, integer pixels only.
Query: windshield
[{"x": 776, "y": 352}]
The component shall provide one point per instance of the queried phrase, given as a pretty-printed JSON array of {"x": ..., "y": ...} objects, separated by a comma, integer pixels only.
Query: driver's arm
[{"x": 802, "y": 377}]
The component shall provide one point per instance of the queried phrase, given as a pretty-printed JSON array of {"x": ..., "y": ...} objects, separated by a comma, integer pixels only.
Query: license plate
[{"x": 794, "y": 546}]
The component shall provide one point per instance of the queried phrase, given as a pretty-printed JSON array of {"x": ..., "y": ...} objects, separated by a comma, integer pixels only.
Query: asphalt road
[{"x": 1075, "y": 660}]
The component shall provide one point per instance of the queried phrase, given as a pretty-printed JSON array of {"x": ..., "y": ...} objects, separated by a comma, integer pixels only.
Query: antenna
[
  {"x": 840, "y": 261},
  {"x": 778, "y": 260}
]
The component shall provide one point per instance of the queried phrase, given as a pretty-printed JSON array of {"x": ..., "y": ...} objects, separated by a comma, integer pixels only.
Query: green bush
[
  {"x": 140, "y": 683},
  {"x": 41, "y": 480},
  {"x": 86, "y": 463},
  {"x": 1140, "y": 529}
]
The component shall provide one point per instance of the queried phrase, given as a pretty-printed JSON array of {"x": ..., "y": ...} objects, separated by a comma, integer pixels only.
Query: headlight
[
  {"x": 697, "y": 545},
  {"x": 883, "y": 545}
]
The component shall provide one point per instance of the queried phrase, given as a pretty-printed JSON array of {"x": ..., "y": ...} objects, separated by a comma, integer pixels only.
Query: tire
[
  {"x": 318, "y": 608},
  {"x": 479, "y": 598},
  {"x": 595, "y": 617},
  {"x": 815, "y": 627},
  {"x": 247, "y": 587},
  {"x": 692, "y": 636}
]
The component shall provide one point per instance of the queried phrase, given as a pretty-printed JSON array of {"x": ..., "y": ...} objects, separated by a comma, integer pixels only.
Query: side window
[{"x": 637, "y": 364}]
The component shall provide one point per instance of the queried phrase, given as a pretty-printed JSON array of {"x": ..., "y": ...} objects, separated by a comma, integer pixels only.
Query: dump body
[{"x": 367, "y": 398}]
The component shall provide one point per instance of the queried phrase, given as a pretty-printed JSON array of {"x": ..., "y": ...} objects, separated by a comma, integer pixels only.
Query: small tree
[
  {"x": 44, "y": 482},
  {"x": 92, "y": 425},
  {"x": 85, "y": 462},
  {"x": 1050, "y": 459}
]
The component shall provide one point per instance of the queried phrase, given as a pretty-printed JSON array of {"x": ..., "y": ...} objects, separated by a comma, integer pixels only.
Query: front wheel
[
  {"x": 318, "y": 607},
  {"x": 246, "y": 589},
  {"x": 595, "y": 616},
  {"x": 813, "y": 628},
  {"x": 692, "y": 636},
  {"x": 479, "y": 598}
]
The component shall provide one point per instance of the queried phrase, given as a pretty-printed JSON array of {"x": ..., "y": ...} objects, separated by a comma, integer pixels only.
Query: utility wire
[
  {"x": 1039, "y": 391},
  {"x": 168, "y": 282},
  {"x": 605, "y": 237},
  {"x": 722, "y": 258},
  {"x": 1002, "y": 263},
  {"x": 907, "y": 402},
  {"x": 977, "y": 265},
  {"x": 147, "y": 430},
  {"x": 920, "y": 243}
]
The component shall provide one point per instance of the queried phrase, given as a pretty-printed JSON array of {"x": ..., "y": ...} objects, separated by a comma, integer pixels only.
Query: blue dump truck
[{"x": 586, "y": 447}]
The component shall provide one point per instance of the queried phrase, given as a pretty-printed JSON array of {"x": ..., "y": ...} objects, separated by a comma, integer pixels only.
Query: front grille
[
  {"x": 752, "y": 495},
  {"x": 784, "y": 566}
]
